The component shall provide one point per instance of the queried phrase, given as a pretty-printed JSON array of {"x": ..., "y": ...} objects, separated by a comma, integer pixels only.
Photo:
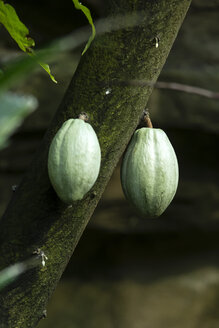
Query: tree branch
[
  {"x": 187, "y": 88},
  {"x": 35, "y": 217},
  {"x": 173, "y": 86}
]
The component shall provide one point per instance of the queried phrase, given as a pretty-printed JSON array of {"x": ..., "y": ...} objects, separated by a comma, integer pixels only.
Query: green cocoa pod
[
  {"x": 74, "y": 160},
  {"x": 149, "y": 172}
]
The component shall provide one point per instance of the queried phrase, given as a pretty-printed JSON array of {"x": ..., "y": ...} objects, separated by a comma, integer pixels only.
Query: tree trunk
[{"x": 35, "y": 217}]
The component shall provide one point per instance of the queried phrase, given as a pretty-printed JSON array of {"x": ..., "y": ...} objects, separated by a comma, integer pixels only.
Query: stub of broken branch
[
  {"x": 83, "y": 116},
  {"x": 145, "y": 119}
]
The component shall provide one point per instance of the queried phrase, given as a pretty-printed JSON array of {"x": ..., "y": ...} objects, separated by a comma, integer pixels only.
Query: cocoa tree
[{"x": 36, "y": 218}]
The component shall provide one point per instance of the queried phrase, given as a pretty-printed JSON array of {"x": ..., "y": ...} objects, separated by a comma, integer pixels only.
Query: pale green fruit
[
  {"x": 74, "y": 160},
  {"x": 149, "y": 172}
]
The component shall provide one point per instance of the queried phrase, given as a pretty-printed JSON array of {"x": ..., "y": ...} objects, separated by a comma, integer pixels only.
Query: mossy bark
[{"x": 35, "y": 217}]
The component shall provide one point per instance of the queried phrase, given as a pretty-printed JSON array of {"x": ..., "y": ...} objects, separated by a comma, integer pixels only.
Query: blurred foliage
[
  {"x": 13, "y": 109},
  {"x": 8, "y": 275},
  {"x": 13, "y": 272}
]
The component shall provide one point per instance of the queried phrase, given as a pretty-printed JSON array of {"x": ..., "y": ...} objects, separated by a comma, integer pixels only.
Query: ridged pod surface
[
  {"x": 74, "y": 160},
  {"x": 149, "y": 172}
]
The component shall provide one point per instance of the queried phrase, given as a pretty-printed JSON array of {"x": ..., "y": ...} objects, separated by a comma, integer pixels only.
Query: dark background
[{"x": 128, "y": 272}]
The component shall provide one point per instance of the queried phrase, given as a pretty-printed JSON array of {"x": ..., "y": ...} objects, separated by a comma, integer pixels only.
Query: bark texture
[{"x": 35, "y": 217}]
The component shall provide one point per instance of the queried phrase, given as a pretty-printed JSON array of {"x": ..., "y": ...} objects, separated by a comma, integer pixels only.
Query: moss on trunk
[{"x": 35, "y": 217}]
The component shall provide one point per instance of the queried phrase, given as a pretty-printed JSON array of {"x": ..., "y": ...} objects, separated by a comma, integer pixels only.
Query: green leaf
[
  {"x": 43, "y": 65},
  {"x": 20, "y": 33},
  {"x": 87, "y": 13},
  {"x": 47, "y": 69},
  {"x": 13, "y": 109}
]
